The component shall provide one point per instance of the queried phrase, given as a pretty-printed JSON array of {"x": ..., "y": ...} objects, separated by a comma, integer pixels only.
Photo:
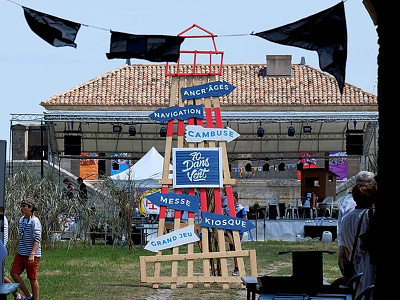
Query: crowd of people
[{"x": 69, "y": 190}]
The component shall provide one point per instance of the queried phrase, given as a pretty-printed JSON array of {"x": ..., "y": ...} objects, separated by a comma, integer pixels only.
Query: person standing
[
  {"x": 29, "y": 250},
  {"x": 354, "y": 225},
  {"x": 240, "y": 213},
  {"x": 69, "y": 190},
  {"x": 17, "y": 296},
  {"x": 347, "y": 206},
  {"x": 82, "y": 188}
]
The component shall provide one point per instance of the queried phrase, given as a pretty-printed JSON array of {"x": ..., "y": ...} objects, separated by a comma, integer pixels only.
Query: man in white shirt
[
  {"x": 347, "y": 206},
  {"x": 365, "y": 196},
  {"x": 29, "y": 250}
]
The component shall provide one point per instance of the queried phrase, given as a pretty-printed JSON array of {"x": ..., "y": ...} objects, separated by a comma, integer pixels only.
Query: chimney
[{"x": 279, "y": 66}]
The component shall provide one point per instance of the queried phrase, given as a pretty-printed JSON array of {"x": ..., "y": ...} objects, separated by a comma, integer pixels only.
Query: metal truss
[{"x": 234, "y": 117}]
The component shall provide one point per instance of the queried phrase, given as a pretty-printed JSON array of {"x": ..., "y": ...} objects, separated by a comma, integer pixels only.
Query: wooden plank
[
  {"x": 165, "y": 174},
  {"x": 253, "y": 263},
  {"x": 143, "y": 273},
  {"x": 204, "y": 237},
  {"x": 194, "y": 256},
  {"x": 157, "y": 266},
  {"x": 195, "y": 279}
]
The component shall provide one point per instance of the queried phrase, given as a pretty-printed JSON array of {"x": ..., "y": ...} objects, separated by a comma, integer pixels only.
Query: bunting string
[{"x": 324, "y": 32}]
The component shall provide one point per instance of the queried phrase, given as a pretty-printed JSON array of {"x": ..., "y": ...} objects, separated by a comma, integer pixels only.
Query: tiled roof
[{"x": 141, "y": 86}]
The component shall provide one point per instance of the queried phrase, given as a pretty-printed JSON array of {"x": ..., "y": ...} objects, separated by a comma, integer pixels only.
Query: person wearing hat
[{"x": 29, "y": 250}]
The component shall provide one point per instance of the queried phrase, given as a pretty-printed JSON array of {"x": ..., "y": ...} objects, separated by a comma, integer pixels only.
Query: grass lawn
[{"x": 112, "y": 272}]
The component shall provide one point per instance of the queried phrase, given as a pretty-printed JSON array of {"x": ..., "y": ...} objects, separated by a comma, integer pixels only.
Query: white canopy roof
[{"x": 145, "y": 172}]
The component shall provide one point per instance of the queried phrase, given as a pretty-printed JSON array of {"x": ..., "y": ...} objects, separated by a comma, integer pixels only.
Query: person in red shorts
[{"x": 29, "y": 250}]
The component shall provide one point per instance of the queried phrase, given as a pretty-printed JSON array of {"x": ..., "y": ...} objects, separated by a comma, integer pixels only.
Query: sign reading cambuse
[{"x": 197, "y": 167}]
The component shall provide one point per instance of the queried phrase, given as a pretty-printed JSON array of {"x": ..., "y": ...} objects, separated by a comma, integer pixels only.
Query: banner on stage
[{"x": 197, "y": 167}]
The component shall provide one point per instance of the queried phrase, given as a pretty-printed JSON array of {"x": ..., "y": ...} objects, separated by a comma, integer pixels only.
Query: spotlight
[
  {"x": 307, "y": 129},
  {"x": 117, "y": 128},
  {"x": 260, "y": 132},
  {"x": 163, "y": 131},
  {"x": 281, "y": 167},
  {"x": 291, "y": 131},
  {"x": 132, "y": 130}
]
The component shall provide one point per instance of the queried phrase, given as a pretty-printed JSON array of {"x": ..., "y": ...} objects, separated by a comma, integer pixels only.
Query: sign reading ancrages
[
  {"x": 210, "y": 89},
  {"x": 197, "y": 167},
  {"x": 176, "y": 201},
  {"x": 175, "y": 112}
]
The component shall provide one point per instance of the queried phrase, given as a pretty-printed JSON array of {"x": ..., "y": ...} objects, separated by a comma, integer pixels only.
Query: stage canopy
[{"x": 99, "y": 132}]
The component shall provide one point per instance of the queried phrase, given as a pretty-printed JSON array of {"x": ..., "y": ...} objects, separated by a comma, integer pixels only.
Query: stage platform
[{"x": 290, "y": 229}]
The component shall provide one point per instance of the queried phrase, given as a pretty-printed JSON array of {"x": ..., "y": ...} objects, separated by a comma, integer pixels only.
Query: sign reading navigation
[
  {"x": 211, "y": 89},
  {"x": 175, "y": 112},
  {"x": 197, "y": 134}
]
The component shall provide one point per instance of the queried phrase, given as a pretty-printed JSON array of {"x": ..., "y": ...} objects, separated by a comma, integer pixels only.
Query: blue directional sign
[
  {"x": 211, "y": 89},
  {"x": 213, "y": 220},
  {"x": 176, "y": 201},
  {"x": 173, "y": 239},
  {"x": 175, "y": 112}
]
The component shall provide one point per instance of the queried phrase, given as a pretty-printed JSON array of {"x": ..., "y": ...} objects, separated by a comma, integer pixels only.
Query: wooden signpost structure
[{"x": 166, "y": 265}]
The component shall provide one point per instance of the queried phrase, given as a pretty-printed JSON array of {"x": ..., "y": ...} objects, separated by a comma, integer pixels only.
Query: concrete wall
[{"x": 251, "y": 191}]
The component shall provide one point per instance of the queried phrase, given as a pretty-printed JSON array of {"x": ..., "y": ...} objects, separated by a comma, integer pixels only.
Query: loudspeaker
[
  {"x": 272, "y": 212},
  {"x": 354, "y": 142},
  {"x": 72, "y": 144}
]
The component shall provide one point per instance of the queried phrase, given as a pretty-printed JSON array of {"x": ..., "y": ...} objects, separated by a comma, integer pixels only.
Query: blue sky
[{"x": 33, "y": 71}]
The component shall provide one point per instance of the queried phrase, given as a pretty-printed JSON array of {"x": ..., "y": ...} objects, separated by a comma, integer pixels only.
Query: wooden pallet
[{"x": 210, "y": 200}]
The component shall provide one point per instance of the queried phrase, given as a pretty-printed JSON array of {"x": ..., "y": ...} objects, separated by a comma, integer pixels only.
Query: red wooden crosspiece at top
[{"x": 195, "y": 69}]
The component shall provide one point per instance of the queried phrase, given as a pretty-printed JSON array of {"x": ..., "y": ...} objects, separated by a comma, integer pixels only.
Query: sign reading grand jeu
[
  {"x": 175, "y": 201},
  {"x": 197, "y": 167},
  {"x": 175, "y": 238},
  {"x": 197, "y": 134},
  {"x": 213, "y": 220},
  {"x": 175, "y": 112},
  {"x": 210, "y": 89}
]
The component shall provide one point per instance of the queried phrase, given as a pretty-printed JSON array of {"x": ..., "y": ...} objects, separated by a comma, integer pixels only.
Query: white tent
[{"x": 145, "y": 172}]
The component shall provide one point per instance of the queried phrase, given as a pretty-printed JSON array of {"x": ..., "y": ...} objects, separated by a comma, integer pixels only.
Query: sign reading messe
[{"x": 197, "y": 167}]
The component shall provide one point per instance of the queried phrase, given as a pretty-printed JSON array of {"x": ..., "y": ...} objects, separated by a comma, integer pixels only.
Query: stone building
[{"x": 276, "y": 96}]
